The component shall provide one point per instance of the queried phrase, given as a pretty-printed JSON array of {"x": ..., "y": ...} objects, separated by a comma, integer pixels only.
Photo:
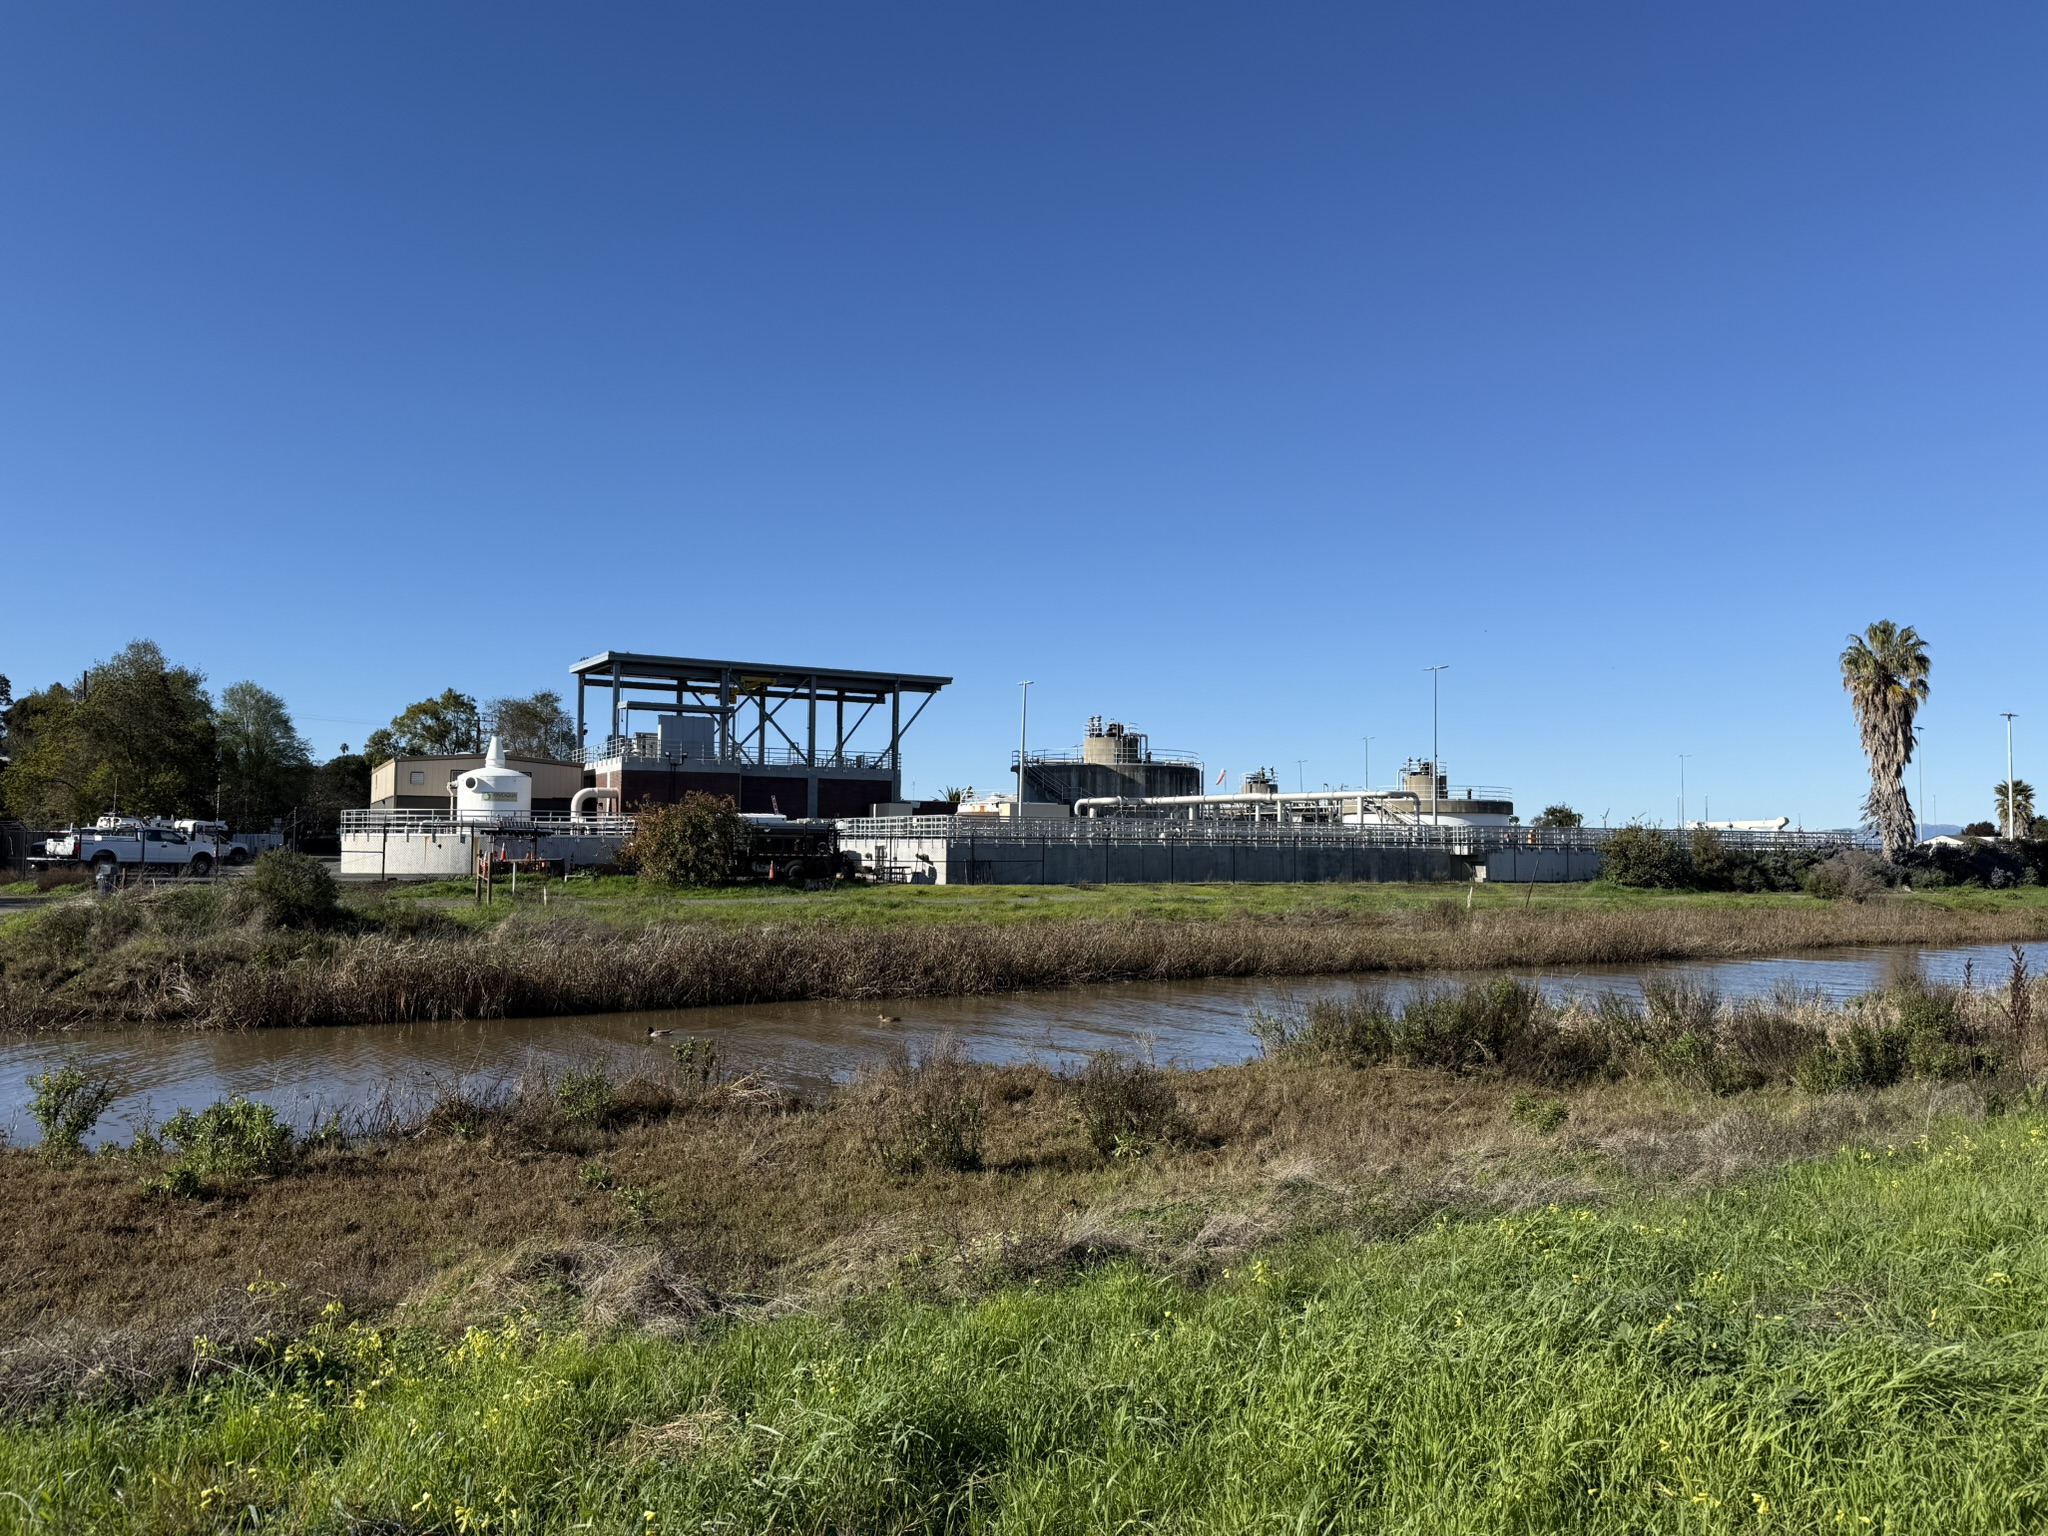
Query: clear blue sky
[{"x": 1218, "y": 367}]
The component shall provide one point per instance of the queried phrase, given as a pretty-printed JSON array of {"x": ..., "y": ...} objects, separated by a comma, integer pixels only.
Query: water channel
[{"x": 310, "y": 1073}]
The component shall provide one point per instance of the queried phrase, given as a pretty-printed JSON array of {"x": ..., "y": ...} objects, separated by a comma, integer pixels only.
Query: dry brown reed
[{"x": 537, "y": 968}]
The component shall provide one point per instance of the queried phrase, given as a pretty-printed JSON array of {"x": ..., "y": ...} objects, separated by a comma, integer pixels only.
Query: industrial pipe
[{"x": 576, "y": 801}]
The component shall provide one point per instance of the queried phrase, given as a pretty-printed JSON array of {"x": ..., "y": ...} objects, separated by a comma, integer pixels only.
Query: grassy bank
[
  {"x": 625, "y": 902},
  {"x": 1478, "y": 1262},
  {"x": 1855, "y": 1343},
  {"x": 945, "y": 1175},
  {"x": 209, "y": 958}
]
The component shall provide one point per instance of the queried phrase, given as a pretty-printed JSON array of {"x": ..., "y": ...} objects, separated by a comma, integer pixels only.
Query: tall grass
[
  {"x": 159, "y": 962},
  {"x": 1856, "y": 1344},
  {"x": 1678, "y": 1031}
]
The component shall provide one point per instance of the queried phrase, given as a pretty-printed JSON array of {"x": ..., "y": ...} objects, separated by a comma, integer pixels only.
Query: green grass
[
  {"x": 625, "y": 900},
  {"x": 1854, "y": 1344},
  {"x": 19, "y": 888}
]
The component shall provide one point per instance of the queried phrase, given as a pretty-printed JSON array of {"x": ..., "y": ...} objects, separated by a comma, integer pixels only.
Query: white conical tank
[{"x": 494, "y": 792}]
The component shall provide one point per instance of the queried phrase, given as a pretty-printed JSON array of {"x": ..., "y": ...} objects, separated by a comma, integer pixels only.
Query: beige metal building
[{"x": 421, "y": 783}]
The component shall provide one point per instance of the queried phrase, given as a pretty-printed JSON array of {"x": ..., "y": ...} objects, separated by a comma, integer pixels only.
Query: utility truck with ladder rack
[{"x": 130, "y": 842}]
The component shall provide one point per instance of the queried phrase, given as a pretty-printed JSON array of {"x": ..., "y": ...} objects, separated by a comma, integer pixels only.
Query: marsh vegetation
[
  {"x": 283, "y": 948},
  {"x": 1647, "y": 1263}
]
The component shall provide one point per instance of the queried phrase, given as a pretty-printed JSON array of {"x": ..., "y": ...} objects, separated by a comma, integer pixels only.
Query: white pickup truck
[
  {"x": 127, "y": 843},
  {"x": 235, "y": 847}
]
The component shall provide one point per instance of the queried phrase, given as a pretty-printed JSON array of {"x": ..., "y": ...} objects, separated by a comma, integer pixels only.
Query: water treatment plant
[{"x": 824, "y": 746}]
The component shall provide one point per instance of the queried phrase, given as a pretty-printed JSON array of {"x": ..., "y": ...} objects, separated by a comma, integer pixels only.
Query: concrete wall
[
  {"x": 451, "y": 854},
  {"x": 967, "y": 860},
  {"x": 1549, "y": 865}
]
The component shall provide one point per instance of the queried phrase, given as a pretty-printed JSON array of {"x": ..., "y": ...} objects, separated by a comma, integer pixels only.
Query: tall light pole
[
  {"x": 1300, "y": 773},
  {"x": 1023, "y": 737},
  {"x": 1436, "y": 765},
  {"x": 2011, "y": 798},
  {"x": 1368, "y": 762},
  {"x": 1681, "y": 789}
]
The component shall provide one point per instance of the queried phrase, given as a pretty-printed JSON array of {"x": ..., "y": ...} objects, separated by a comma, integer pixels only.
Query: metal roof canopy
[{"x": 720, "y": 689}]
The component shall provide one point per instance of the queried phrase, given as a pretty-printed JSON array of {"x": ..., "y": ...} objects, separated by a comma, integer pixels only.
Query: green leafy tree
[
  {"x": 263, "y": 758},
  {"x": 134, "y": 734},
  {"x": 431, "y": 728},
  {"x": 342, "y": 783},
  {"x": 1641, "y": 855},
  {"x": 1559, "y": 816},
  {"x": 1884, "y": 672},
  {"x": 2015, "y": 801},
  {"x": 45, "y": 760},
  {"x": 536, "y": 726},
  {"x": 700, "y": 840}
]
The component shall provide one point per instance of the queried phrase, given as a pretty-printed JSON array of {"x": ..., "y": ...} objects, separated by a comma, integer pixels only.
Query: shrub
[
  {"x": 1767, "y": 1040},
  {"x": 67, "y": 1104},
  {"x": 1940, "y": 1041},
  {"x": 1541, "y": 1115},
  {"x": 927, "y": 1115},
  {"x": 1474, "y": 1026},
  {"x": 1644, "y": 856},
  {"x": 294, "y": 891},
  {"x": 696, "y": 1059},
  {"x": 700, "y": 840},
  {"x": 1125, "y": 1104},
  {"x": 585, "y": 1098},
  {"x": 1851, "y": 875},
  {"x": 1489, "y": 1023},
  {"x": 1928, "y": 1036},
  {"x": 233, "y": 1138},
  {"x": 1860, "y": 1057}
]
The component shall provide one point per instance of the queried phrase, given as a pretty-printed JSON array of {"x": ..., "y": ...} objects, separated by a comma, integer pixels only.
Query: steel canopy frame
[{"x": 723, "y": 689}]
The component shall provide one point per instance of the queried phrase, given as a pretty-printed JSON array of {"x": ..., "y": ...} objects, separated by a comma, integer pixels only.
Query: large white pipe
[{"x": 578, "y": 801}]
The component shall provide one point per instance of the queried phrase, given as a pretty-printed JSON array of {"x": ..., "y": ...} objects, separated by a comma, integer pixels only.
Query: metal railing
[
  {"x": 1067, "y": 756},
  {"x": 635, "y": 752},
  {"x": 378, "y": 819},
  {"x": 1466, "y": 839}
]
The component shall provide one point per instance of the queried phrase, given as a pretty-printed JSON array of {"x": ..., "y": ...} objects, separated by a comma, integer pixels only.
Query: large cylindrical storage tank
[{"x": 494, "y": 792}]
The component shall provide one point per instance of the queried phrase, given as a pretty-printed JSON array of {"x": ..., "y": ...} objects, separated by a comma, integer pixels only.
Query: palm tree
[
  {"x": 2015, "y": 807},
  {"x": 1884, "y": 671}
]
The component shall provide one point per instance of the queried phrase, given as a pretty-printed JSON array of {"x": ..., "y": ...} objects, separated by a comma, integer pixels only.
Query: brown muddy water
[{"x": 310, "y": 1074}]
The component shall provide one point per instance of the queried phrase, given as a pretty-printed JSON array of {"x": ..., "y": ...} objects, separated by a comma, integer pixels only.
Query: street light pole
[
  {"x": 1436, "y": 764},
  {"x": 2011, "y": 796},
  {"x": 1300, "y": 773},
  {"x": 1023, "y": 738}
]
